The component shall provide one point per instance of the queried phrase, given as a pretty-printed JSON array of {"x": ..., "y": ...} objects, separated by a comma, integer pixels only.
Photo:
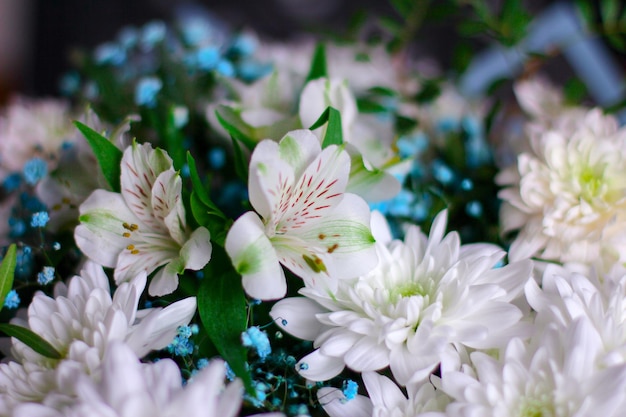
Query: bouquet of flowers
[{"x": 213, "y": 224}]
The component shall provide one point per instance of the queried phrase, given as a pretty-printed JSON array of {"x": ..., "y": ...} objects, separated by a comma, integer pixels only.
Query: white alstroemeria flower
[
  {"x": 385, "y": 400},
  {"x": 368, "y": 139},
  {"x": 567, "y": 197},
  {"x": 144, "y": 227},
  {"x": 305, "y": 220},
  {"x": 129, "y": 388},
  {"x": 80, "y": 323},
  {"x": 426, "y": 296},
  {"x": 555, "y": 375}
]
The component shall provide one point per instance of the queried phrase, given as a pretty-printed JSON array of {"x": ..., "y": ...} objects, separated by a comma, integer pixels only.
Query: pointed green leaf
[
  {"x": 235, "y": 126},
  {"x": 318, "y": 64},
  {"x": 222, "y": 308},
  {"x": 241, "y": 163},
  {"x": 610, "y": 12},
  {"x": 107, "y": 154},
  {"x": 210, "y": 217},
  {"x": 7, "y": 271},
  {"x": 30, "y": 339},
  {"x": 334, "y": 133},
  {"x": 199, "y": 188}
]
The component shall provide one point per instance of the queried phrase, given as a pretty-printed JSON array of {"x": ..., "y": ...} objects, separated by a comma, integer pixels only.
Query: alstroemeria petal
[
  {"x": 165, "y": 281},
  {"x": 317, "y": 192},
  {"x": 100, "y": 234},
  {"x": 255, "y": 259},
  {"x": 196, "y": 252},
  {"x": 345, "y": 236},
  {"x": 299, "y": 148},
  {"x": 141, "y": 165},
  {"x": 270, "y": 179},
  {"x": 167, "y": 206}
]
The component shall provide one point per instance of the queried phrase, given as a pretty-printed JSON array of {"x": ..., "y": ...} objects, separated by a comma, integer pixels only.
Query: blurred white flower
[
  {"x": 567, "y": 197},
  {"x": 128, "y": 388},
  {"x": 80, "y": 323},
  {"x": 425, "y": 296},
  {"x": 32, "y": 128},
  {"x": 305, "y": 220},
  {"x": 144, "y": 227},
  {"x": 554, "y": 375}
]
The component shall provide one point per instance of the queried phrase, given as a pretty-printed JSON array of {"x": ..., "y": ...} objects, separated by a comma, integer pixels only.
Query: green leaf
[
  {"x": 222, "y": 308},
  {"x": 7, "y": 272},
  {"x": 318, "y": 64},
  {"x": 574, "y": 91},
  {"x": 210, "y": 217},
  {"x": 235, "y": 126},
  {"x": 196, "y": 182},
  {"x": 174, "y": 140},
  {"x": 334, "y": 133},
  {"x": 107, "y": 154},
  {"x": 610, "y": 13},
  {"x": 403, "y": 7},
  {"x": 241, "y": 162},
  {"x": 586, "y": 9},
  {"x": 30, "y": 339}
]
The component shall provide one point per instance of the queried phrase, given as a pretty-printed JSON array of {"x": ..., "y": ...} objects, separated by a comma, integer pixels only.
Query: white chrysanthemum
[
  {"x": 80, "y": 323},
  {"x": 426, "y": 295},
  {"x": 129, "y": 388},
  {"x": 566, "y": 294},
  {"x": 568, "y": 196},
  {"x": 385, "y": 400},
  {"x": 554, "y": 376},
  {"x": 34, "y": 128}
]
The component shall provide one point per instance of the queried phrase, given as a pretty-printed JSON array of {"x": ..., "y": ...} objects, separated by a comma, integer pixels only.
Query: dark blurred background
[{"x": 37, "y": 36}]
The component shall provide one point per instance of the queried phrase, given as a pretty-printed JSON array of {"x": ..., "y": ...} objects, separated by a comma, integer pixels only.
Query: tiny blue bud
[
  {"x": 303, "y": 366},
  {"x": 12, "y": 182},
  {"x": 56, "y": 246},
  {"x": 217, "y": 158},
  {"x": 350, "y": 389},
  {"x": 225, "y": 68},
  {"x": 109, "y": 54},
  {"x": 467, "y": 184},
  {"x": 283, "y": 322},
  {"x": 474, "y": 208},
  {"x": 202, "y": 363},
  {"x": 207, "y": 58}
]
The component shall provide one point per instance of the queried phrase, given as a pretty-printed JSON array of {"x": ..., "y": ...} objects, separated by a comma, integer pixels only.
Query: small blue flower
[
  {"x": 69, "y": 83},
  {"x": 202, "y": 363},
  {"x": 146, "y": 91},
  {"x": 257, "y": 339},
  {"x": 34, "y": 170},
  {"x": 467, "y": 184},
  {"x": 12, "y": 300},
  {"x": 250, "y": 70},
  {"x": 17, "y": 227},
  {"x": 128, "y": 37},
  {"x": 152, "y": 33},
  {"x": 207, "y": 58},
  {"x": 46, "y": 276},
  {"x": 243, "y": 45},
  {"x": 12, "y": 182},
  {"x": 442, "y": 172},
  {"x": 39, "y": 219},
  {"x": 109, "y": 54}
]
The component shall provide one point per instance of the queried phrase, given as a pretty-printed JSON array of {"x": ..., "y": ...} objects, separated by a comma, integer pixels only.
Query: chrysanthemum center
[
  {"x": 407, "y": 289},
  {"x": 590, "y": 182},
  {"x": 536, "y": 407}
]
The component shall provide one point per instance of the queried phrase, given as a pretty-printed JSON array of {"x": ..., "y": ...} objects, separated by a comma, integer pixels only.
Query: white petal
[
  {"x": 367, "y": 355},
  {"x": 196, "y": 252},
  {"x": 167, "y": 206},
  {"x": 382, "y": 391},
  {"x": 334, "y": 403},
  {"x": 254, "y": 258},
  {"x": 100, "y": 234},
  {"x": 165, "y": 281},
  {"x": 298, "y": 314},
  {"x": 319, "y": 367}
]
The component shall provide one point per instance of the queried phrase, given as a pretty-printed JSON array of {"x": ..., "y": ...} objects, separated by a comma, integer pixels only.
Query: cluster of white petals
[
  {"x": 128, "y": 388},
  {"x": 567, "y": 197},
  {"x": 554, "y": 375},
  {"x": 81, "y": 322},
  {"x": 427, "y": 295}
]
